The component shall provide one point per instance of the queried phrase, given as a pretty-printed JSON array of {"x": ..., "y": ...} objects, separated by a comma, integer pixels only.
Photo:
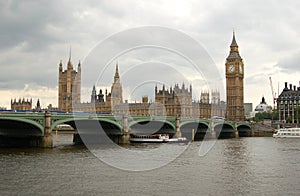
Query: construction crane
[{"x": 274, "y": 96}]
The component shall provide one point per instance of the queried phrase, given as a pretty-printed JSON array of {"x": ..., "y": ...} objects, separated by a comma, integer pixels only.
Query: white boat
[
  {"x": 155, "y": 138},
  {"x": 178, "y": 140},
  {"x": 287, "y": 133}
]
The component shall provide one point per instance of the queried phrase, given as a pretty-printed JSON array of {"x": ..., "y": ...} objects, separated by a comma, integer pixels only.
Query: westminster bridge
[{"x": 36, "y": 128}]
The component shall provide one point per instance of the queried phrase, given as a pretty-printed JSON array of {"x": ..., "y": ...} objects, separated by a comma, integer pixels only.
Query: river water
[{"x": 243, "y": 166}]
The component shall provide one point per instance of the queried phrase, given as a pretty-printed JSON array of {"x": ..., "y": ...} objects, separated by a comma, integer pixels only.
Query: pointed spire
[
  {"x": 70, "y": 52},
  {"x": 60, "y": 66},
  {"x": 233, "y": 43},
  {"x": 70, "y": 65},
  {"x": 117, "y": 76},
  {"x": 38, "y": 104},
  {"x": 234, "y": 48},
  {"x": 117, "y": 69}
]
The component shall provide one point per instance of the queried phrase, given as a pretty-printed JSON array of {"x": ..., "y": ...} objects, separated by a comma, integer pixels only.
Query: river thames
[{"x": 242, "y": 166}]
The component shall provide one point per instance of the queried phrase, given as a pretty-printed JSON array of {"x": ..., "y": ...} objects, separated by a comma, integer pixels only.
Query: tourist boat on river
[
  {"x": 155, "y": 138},
  {"x": 287, "y": 133},
  {"x": 178, "y": 140}
]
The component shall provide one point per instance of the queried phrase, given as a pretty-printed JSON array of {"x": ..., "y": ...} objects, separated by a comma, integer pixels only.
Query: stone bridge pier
[
  {"x": 126, "y": 131},
  {"x": 177, "y": 125},
  {"x": 46, "y": 141}
]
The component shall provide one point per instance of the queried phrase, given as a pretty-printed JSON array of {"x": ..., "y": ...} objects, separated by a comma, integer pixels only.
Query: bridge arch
[
  {"x": 20, "y": 127},
  {"x": 224, "y": 130},
  {"x": 200, "y": 129},
  {"x": 244, "y": 130},
  {"x": 146, "y": 126},
  {"x": 86, "y": 123},
  {"x": 195, "y": 121}
]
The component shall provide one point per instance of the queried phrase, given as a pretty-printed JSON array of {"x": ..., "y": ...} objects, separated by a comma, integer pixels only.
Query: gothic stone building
[
  {"x": 69, "y": 86},
  {"x": 175, "y": 101},
  {"x": 234, "y": 84},
  {"x": 21, "y": 104},
  {"x": 109, "y": 103}
]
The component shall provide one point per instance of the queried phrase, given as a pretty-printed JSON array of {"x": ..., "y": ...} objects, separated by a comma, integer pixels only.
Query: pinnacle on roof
[
  {"x": 233, "y": 43},
  {"x": 70, "y": 54},
  {"x": 117, "y": 76},
  {"x": 70, "y": 65}
]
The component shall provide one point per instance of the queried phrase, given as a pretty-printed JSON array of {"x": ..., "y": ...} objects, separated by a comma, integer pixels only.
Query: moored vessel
[
  {"x": 287, "y": 133},
  {"x": 155, "y": 138},
  {"x": 178, "y": 140}
]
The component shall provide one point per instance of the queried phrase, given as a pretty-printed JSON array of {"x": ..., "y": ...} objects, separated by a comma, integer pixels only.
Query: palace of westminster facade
[{"x": 176, "y": 101}]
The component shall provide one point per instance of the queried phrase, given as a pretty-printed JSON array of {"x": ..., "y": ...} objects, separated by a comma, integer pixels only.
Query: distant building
[
  {"x": 287, "y": 103},
  {"x": 21, "y": 104},
  {"x": 263, "y": 106},
  {"x": 38, "y": 106},
  {"x": 248, "y": 107},
  {"x": 204, "y": 105}
]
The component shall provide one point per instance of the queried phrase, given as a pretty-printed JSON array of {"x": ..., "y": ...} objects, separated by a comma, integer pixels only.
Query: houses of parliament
[{"x": 173, "y": 101}]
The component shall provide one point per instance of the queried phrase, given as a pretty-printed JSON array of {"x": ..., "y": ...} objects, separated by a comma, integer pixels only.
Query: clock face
[
  {"x": 231, "y": 68},
  {"x": 241, "y": 69}
]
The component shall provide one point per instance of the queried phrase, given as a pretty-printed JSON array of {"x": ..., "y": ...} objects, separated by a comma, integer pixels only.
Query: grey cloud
[{"x": 290, "y": 64}]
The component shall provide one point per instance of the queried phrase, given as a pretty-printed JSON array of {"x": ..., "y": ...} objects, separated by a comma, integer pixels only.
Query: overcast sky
[{"x": 36, "y": 35}]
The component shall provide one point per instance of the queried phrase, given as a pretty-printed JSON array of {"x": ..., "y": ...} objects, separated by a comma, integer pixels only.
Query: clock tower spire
[{"x": 234, "y": 83}]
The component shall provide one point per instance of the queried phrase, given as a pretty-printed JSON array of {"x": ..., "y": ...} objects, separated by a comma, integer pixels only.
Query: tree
[
  {"x": 289, "y": 119},
  {"x": 297, "y": 109},
  {"x": 275, "y": 115},
  {"x": 262, "y": 115}
]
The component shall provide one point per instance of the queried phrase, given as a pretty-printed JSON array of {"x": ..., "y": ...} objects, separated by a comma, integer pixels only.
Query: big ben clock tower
[{"x": 234, "y": 84}]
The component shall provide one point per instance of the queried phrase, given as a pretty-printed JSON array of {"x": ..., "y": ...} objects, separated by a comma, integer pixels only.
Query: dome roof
[{"x": 262, "y": 107}]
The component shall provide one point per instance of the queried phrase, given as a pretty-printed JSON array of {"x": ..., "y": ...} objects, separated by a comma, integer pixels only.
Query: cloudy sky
[{"x": 36, "y": 35}]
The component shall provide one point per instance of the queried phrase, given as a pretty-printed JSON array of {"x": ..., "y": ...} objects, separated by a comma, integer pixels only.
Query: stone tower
[
  {"x": 234, "y": 84},
  {"x": 204, "y": 97},
  {"x": 69, "y": 86},
  {"x": 116, "y": 90}
]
